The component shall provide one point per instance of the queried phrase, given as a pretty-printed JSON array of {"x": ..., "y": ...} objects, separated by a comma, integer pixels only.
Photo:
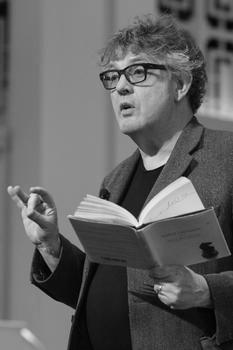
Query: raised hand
[{"x": 39, "y": 217}]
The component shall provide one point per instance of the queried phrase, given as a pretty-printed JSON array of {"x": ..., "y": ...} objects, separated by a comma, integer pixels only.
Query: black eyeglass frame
[{"x": 146, "y": 66}]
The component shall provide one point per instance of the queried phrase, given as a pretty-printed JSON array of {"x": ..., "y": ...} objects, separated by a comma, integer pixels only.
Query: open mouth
[{"x": 125, "y": 106}]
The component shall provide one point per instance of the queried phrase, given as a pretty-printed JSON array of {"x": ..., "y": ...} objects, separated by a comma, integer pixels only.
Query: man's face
[{"x": 147, "y": 106}]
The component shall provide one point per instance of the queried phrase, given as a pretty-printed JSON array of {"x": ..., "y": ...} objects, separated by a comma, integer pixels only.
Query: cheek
[
  {"x": 155, "y": 100},
  {"x": 149, "y": 103}
]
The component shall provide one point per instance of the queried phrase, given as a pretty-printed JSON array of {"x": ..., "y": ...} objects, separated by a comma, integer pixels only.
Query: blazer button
[{"x": 104, "y": 194}]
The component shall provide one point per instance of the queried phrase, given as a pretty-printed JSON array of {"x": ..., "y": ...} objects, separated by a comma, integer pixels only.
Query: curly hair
[{"x": 164, "y": 40}]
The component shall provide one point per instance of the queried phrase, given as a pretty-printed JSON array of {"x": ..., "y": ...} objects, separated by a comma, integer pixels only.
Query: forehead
[{"x": 127, "y": 60}]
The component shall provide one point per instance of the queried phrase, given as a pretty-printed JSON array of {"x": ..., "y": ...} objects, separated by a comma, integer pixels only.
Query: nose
[{"x": 124, "y": 87}]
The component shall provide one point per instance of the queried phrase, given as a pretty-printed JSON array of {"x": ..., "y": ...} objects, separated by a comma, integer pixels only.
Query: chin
[
  {"x": 130, "y": 131},
  {"x": 129, "y": 126}
]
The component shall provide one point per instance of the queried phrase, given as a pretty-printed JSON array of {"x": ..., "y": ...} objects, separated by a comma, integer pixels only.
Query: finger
[
  {"x": 44, "y": 194},
  {"x": 158, "y": 288},
  {"x": 32, "y": 212},
  {"x": 165, "y": 297},
  {"x": 22, "y": 195},
  {"x": 159, "y": 273},
  {"x": 18, "y": 196},
  {"x": 34, "y": 201},
  {"x": 167, "y": 273},
  {"x": 167, "y": 302},
  {"x": 35, "y": 216},
  {"x": 169, "y": 295}
]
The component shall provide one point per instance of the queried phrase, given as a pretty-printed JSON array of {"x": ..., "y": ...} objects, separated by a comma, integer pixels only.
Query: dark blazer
[{"x": 206, "y": 158}]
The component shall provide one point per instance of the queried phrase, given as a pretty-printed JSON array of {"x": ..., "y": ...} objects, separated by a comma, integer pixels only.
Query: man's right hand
[{"x": 39, "y": 216}]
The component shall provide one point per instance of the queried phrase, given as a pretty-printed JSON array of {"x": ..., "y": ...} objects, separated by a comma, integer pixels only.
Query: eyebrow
[{"x": 136, "y": 59}]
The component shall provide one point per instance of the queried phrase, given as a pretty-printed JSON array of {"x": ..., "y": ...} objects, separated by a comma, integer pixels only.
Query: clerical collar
[{"x": 162, "y": 156}]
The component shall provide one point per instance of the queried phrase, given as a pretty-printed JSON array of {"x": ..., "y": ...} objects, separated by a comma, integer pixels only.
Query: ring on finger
[{"x": 159, "y": 289}]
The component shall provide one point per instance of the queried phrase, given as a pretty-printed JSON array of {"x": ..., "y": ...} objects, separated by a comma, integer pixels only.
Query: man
[{"x": 156, "y": 78}]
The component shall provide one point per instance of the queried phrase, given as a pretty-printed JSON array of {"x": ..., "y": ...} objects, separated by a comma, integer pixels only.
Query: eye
[
  {"x": 110, "y": 76},
  {"x": 138, "y": 71}
]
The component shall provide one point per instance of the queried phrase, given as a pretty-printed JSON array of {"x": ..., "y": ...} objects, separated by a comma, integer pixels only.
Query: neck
[
  {"x": 161, "y": 157},
  {"x": 157, "y": 144},
  {"x": 154, "y": 139}
]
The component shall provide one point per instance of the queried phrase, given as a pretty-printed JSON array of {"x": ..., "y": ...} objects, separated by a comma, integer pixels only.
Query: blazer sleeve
[
  {"x": 64, "y": 283},
  {"x": 221, "y": 288}
]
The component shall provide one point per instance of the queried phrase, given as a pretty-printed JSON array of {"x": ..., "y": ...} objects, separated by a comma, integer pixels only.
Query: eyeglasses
[{"x": 135, "y": 73}]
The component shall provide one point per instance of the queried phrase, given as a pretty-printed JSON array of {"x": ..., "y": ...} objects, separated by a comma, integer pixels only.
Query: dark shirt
[{"x": 107, "y": 300}]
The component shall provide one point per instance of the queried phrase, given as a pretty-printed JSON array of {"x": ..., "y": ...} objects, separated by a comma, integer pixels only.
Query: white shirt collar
[{"x": 162, "y": 156}]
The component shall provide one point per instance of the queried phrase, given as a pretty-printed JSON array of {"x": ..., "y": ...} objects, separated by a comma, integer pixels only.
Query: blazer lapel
[
  {"x": 181, "y": 157},
  {"x": 120, "y": 178}
]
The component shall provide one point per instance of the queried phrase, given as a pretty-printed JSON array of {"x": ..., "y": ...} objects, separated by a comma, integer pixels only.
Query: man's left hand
[{"x": 180, "y": 288}]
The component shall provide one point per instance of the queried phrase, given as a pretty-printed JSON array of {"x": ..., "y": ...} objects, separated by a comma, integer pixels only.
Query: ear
[{"x": 183, "y": 83}]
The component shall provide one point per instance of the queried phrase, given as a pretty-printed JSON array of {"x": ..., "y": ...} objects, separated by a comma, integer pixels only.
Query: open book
[{"x": 172, "y": 228}]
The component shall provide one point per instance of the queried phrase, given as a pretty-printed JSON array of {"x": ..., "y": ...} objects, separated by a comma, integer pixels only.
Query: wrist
[
  {"x": 205, "y": 299},
  {"x": 52, "y": 248}
]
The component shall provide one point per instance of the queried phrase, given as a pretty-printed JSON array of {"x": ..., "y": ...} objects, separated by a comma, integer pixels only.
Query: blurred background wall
[{"x": 57, "y": 128}]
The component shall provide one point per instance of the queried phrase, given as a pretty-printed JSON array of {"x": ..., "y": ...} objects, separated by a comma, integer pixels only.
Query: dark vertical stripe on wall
[
  {"x": 4, "y": 234},
  {"x": 4, "y": 159},
  {"x": 110, "y": 27}
]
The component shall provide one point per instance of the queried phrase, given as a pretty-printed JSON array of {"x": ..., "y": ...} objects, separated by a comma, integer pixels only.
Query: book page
[
  {"x": 101, "y": 210},
  {"x": 104, "y": 218},
  {"x": 180, "y": 197}
]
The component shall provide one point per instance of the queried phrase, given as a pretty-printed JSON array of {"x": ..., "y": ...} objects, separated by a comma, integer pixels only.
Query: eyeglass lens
[{"x": 134, "y": 74}]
